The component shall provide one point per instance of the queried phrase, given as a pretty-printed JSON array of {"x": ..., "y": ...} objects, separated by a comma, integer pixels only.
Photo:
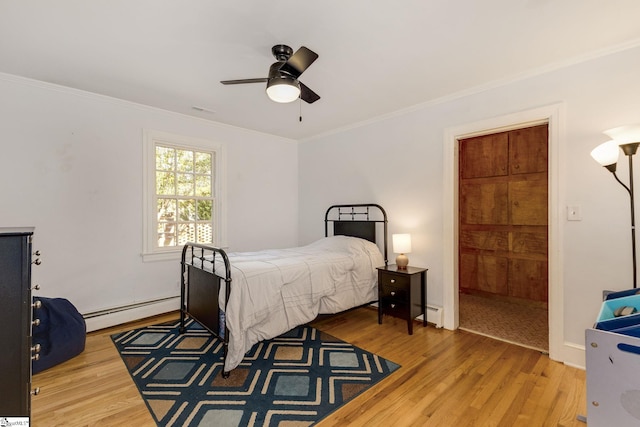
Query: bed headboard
[{"x": 358, "y": 220}]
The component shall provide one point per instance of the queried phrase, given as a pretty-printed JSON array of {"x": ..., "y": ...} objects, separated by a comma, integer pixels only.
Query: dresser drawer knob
[
  {"x": 37, "y": 253},
  {"x": 35, "y": 391},
  {"x": 35, "y": 356},
  {"x": 37, "y": 261},
  {"x": 36, "y": 322},
  {"x": 393, "y": 293},
  {"x": 393, "y": 306},
  {"x": 37, "y": 304},
  {"x": 36, "y": 288},
  {"x": 393, "y": 280},
  {"x": 36, "y": 348}
]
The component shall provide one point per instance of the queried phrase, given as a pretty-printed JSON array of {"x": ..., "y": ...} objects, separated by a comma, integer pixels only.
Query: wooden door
[{"x": 503, "y": 211}]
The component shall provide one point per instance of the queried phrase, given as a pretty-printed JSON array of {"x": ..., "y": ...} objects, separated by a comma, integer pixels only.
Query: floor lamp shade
[
  {"x": 606, "y": 153},
  {"x": 402, "y": 246},
  {"x": 624, "y": 134}
]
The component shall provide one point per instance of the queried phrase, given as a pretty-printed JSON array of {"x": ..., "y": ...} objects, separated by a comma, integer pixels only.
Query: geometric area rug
[{"x": 293, "y": 380}]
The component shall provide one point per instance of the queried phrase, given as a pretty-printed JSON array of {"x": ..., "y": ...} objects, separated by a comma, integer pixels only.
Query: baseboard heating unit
[
  {"x": 118, "y": 315},
  {"x": 435, "y": 315}
]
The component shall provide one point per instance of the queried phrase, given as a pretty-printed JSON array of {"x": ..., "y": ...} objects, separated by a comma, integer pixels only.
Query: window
[{"x": 183, "y": 195}]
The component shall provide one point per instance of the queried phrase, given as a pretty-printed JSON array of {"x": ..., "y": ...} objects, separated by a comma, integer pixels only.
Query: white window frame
[{"x": 150, "y": 250}]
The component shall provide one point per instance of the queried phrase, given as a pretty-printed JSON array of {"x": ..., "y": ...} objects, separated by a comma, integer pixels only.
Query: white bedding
[{"x": 273, "y": 291}]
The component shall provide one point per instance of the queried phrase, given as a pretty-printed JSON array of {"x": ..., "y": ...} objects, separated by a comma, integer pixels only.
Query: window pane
[
  {"x": 166, "y": 234},
  {"x": 205, "y": 234},
  {"x": 165, "y": 158},
  {"x": 166, "y": 210},
  {"x": 166, "y": 227},
  {"x": 203, "y": 163},
  {"x": 186, "y": 233},
  {"x": 203, "y": 185},
  {"x": 187, "y": 210},
  {"x": 185, "y": 161},
  {"x": 185, "y": 184},
  {"x": 204, "y": 210},
  {"x": 165, "y": 183}
]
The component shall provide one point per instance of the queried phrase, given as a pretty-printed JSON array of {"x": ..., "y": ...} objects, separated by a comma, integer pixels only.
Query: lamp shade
[
  {"x": 624, "y": 134},
  {"x": 606, "y": 153},
  {"x": 402, "y": 243},
  {"x": 283, "y": 89}
]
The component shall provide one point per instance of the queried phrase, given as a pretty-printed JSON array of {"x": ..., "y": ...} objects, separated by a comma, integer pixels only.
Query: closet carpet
[{"x": 506, "y": 321}]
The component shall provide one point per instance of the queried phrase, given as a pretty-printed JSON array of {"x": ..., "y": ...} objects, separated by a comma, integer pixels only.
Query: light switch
[{"x": 574, "y": 213}]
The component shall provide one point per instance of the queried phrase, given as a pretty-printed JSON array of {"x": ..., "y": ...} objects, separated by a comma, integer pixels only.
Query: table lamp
[{"x": 402, "y": 246}]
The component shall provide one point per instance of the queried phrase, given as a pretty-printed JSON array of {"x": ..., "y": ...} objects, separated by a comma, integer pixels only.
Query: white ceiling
[{"x": 376, "y": 56}]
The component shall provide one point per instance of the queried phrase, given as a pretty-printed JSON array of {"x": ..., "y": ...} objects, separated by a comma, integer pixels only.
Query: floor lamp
[{"x": 626, "y": 138}]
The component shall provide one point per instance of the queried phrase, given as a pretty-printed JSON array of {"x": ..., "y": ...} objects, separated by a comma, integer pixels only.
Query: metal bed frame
[{"x": 199, "y": 294}]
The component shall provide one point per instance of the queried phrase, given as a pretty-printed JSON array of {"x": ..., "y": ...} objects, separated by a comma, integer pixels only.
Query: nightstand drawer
[
  {"x": 394, "y": 308},
  {"x": 388, "y": 291},
  {"x": 395, "y": 281}
]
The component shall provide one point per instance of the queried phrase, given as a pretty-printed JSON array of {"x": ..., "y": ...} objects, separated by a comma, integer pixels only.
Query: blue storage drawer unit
[
  {"x": 613, "y": 364},
  {"x": 613, "y": 379}
]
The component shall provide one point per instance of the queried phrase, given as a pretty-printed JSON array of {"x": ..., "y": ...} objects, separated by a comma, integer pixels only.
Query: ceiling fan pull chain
[{"x": 300, "y": 104}]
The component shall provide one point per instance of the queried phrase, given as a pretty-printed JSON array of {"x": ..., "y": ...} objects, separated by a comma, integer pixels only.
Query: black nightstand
[{"x": 402, "y": 293}]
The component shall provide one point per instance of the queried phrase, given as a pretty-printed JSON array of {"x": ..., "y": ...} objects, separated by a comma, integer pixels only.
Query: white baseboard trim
[
  {"x": 574, "y": 355},
  {"x": 120, "y": 315}
]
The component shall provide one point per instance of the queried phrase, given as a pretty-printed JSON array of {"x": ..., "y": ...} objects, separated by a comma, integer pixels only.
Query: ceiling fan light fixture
[{"x": 283, "y": 89}]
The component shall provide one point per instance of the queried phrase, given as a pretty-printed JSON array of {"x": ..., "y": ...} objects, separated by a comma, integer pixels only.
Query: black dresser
[{"x": 16, "y": 308}]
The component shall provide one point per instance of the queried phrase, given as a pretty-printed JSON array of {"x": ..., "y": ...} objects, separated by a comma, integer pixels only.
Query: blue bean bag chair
[{"x": 61, "y": 333}]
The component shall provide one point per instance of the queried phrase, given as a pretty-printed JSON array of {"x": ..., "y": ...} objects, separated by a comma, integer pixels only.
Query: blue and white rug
[{"x": 295, "y": 380}]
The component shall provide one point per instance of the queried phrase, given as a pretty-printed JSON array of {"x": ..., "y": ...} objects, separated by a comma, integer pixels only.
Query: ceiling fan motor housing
[
  {"x": 282, "y": 52},
  {"x": 276, "y": 73}
]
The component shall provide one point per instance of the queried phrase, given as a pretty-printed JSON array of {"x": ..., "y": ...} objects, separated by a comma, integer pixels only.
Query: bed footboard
[{"x": 200, "y": 290}]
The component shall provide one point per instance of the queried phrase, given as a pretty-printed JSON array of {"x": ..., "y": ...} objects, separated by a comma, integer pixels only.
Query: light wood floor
[{"x": 447, "y": 379}]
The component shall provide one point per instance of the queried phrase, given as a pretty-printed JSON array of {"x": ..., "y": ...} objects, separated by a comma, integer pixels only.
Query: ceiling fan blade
[
  {"x": 307, "y": 94},
  {"x": 243, "y": 81},
  {"x": 299, "y": 62}
]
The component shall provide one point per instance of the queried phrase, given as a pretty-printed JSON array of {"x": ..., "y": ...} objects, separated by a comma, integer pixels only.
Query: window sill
[{"x": 173, "y": 255}]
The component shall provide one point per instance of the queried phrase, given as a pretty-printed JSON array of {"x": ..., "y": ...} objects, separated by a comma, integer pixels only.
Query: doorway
[
  {"x": 502, "y": 235},
  {"x": 552, "y": 115}
]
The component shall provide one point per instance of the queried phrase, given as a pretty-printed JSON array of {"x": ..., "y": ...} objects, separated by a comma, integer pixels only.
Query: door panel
[
  {"x": 528, "y": 279},
  {"x": 531, "y": 244},
  {"x": 528, "y": 202},
  {"x": 469, "y": 271},
  {"x": 485, "y": 156},
  {"x": 485, "y": 240},
  {"x": 484, "y": 203},
  {"x": 528, "y": 150},
  {"x": 492, "y": 274},
  {"x": 485, "y": 273}
]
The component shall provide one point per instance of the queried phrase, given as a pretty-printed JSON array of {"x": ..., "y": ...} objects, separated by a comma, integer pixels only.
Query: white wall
[
  {"x": 71, "y": 165},
  {"x": 397, "y": 162}
]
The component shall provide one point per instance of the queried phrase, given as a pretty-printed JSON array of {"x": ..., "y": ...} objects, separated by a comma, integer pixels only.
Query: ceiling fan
[{"x": 282, "y": 81}]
